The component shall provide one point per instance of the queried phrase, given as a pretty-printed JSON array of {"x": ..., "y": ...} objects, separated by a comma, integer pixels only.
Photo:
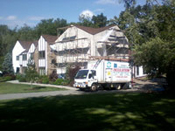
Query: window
[
  {"x": 93, "y": 72},
  {"x": 137, "y": 70},
  {"x": 31, "y": 56},
  {"x": 17, "y": 57},
  {"x": 42, "y": 71},
  {"x": 24, "y": 57},
  {"x": 41, "y": 54}
]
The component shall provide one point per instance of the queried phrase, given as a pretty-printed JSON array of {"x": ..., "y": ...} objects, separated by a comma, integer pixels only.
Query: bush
[
  {"x": 58, "y": 82},
  {"x": 7, "y": 78},
  {"x": 21, "y": 77},
  {"x": 44, "y": 80},
  {"x": 61, "y": 82}
]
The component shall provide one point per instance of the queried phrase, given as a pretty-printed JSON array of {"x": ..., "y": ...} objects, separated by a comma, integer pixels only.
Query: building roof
[
  {"x": 25, "y": 44},
  {"x": 93, "y": 31},
  {"x": 35, "y": 43},
  {"x": 50, "y": 39}
]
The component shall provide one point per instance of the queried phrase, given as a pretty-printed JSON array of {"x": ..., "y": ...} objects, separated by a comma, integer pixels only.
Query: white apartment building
[{"x": 78, "y": 44}]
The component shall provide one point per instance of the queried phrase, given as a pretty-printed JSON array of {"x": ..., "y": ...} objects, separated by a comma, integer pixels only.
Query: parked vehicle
[{"x": 104, "y": 74}]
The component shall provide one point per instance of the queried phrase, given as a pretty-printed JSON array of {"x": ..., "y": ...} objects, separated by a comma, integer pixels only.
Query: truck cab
[{"x": 85, "y": 78}]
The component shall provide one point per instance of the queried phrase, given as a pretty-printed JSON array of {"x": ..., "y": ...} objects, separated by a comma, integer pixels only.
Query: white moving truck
[{"x": 104, "y": 74}]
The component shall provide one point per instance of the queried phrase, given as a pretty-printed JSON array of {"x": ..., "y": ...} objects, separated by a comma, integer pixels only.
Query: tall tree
[
  {"x": 7, "y": 65},
  {"x": 26, "y": 33},
  {"x": 49, "y": 26},
  {"x": 85, "y": 20},
  {"x": 99, "y": 20}
]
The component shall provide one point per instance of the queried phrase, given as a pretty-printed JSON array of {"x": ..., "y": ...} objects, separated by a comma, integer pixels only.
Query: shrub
[
  {"x": 21, "y": 77},
  {"x": 58, "y": 82},
  {"x": 66, "y": 82},
  {"x": 44, "y": 80},
  {"x": 61, "y": 82},
  {"x": 7, "y": 78}
]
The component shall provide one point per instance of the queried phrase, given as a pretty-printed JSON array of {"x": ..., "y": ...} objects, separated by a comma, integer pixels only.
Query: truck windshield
[{"x": 82, "y": 74}]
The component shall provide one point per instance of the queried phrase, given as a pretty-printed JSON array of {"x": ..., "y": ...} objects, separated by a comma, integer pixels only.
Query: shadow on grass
[
  {"x": 132, "y": 111},
  {"x": 37, "y": 88}
]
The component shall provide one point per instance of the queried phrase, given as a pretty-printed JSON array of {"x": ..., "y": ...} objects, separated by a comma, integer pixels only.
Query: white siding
[
  {"x": 138, "y": 71},
  {"x": 42, "y": 63},
  {"x": 42, "y": 46},
  {"x": 18, "y": 49},
  {"x": 20, "y": 60},
  {"x": 32, "y": 48}
]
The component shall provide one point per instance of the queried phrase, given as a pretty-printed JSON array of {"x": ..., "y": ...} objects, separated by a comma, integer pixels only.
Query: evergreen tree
[{"x": 7, "y": 65}]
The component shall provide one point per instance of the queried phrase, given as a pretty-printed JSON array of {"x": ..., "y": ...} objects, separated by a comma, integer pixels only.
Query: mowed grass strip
[
  {"x": 91, "y": 112},
  {"x": 6, "y": 88}
]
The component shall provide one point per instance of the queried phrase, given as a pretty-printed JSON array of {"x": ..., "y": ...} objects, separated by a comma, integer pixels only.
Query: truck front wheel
[{"x": 94, "y": 87}]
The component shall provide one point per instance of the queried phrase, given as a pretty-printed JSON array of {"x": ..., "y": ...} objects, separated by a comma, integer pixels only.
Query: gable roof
[
  {"x": 50, "y": 38},
  {"x": 25, "y": 44},
  {"x": 35, "y": 43},
  {"x": 93, "y": 31}
]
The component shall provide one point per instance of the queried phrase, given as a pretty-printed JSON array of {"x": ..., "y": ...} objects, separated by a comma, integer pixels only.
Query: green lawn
[
  {"x": 6, "y": 88},
  {"x": 104, "y": 112}
]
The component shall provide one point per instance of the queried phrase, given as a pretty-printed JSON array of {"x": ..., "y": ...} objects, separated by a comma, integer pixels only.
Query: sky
[{"x": 19, "y": 12}]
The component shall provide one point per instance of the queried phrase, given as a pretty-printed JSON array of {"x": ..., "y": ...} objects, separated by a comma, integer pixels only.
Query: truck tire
[
  {"x": 94, "y": 87},
  {"x": 119, "y": 87}
]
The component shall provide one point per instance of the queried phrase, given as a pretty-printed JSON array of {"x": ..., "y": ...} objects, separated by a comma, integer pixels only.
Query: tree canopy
[
  {"x": 151, "y": 31},
  {"x": 96, "y": 21}
]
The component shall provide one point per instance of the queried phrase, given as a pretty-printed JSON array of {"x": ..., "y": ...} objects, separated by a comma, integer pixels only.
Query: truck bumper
[{"x": 80, "y": 85}]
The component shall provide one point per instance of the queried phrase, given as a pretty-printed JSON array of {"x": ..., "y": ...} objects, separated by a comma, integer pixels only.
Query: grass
[
  {"x": 6, "y": 88},
  {"x": 104, "y": 112}
]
